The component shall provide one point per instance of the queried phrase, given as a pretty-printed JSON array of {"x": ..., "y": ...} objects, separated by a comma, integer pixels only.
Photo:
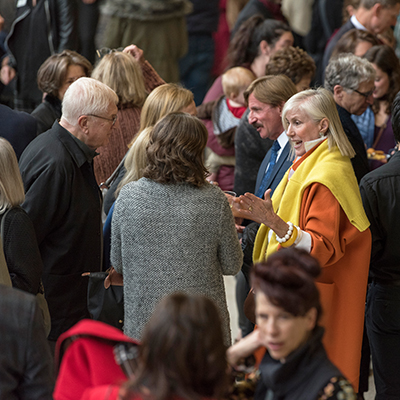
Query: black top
[
  {"x": 360, "y": 160},
  {"x": 204, "y": 17},
  {"x": 303, "y": 376},
  {"x": 380, "y": 191},
  {"x": 46, "y": 113},
  {"x": 21, "y": 250}
]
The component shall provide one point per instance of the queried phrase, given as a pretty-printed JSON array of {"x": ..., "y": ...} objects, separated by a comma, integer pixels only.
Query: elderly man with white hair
[
  {"x": 64, "y": 201},
  {"x": 351, "y": 81}
]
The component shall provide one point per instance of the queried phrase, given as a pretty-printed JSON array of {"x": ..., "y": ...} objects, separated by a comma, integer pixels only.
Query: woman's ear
[
  {"x": 311, "y": 316},
  {"x": 323, "y": 126},
  {"x": 264, "y": 48}
]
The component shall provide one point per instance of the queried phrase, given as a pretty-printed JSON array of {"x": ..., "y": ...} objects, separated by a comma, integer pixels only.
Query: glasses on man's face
[
  {"x": 364, "y": 94},
  {"x": 113, "y": 120},
  {"x": 105, "y": 50}
]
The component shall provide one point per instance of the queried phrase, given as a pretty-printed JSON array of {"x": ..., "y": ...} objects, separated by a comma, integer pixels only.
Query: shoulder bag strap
[{"x": 110, "y": 180}]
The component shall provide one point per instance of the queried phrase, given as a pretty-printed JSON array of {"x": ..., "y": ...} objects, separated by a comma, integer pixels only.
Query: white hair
[{"x": 87, "y": 96}]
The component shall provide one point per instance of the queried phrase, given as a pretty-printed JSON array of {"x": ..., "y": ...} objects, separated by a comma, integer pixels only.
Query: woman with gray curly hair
[{"x": 351, "y": 80}]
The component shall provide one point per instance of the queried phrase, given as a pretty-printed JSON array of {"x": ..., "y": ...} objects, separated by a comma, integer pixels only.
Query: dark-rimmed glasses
[
  {"x": 366, "y": 94},
  {"x": 113, "y": 120}
]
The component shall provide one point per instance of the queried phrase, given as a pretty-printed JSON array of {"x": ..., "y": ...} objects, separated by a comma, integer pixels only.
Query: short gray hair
[
  {"x": 86, "y": 96},
  {"x": 319, "y": 104},
  {"x": 348, "y": 71},
  {"x": 11, "y": 187},
  {"x": 368, "y": 4}
]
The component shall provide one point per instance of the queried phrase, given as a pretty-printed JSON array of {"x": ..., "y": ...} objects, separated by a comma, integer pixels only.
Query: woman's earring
[{"x": 322, "y": 134}]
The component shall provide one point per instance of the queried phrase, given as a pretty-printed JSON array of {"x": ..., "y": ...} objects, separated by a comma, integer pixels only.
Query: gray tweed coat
[{"x": 172, "y": 237}]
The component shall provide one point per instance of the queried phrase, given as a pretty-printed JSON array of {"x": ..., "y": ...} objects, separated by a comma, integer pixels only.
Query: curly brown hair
[
  {"x": 176, "y": 150},
  {"x": 293, "y": 62}
]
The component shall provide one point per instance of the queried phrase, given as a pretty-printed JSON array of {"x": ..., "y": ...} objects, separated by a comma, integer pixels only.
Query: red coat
[{"x": 89, "y": 360}]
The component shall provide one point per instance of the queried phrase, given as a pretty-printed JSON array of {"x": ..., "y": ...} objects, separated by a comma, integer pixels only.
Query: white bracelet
[{"x": 288, "y": 234}]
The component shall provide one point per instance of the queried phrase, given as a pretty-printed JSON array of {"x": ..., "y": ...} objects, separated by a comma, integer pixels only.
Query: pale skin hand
[
  {"x": 233, "y": 201},
  {"x": 7, "y": 73},
  {"x": 135, "y": 52},
  {"x": 261, "y": 211},
  {"x": 244, "y": 348}
]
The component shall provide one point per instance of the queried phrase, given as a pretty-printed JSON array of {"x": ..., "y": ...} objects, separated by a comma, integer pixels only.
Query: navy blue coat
[{"x": 18, "y": 127}]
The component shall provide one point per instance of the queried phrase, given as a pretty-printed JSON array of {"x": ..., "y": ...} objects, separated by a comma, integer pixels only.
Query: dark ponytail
[{"x": 244, "y": 46}]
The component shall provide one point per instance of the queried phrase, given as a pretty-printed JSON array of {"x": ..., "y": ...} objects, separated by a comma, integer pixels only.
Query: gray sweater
[{"x": 172, "y": 237}]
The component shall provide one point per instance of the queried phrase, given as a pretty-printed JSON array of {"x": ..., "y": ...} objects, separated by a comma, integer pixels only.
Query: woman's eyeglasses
[{"x": 105, "y": 50}]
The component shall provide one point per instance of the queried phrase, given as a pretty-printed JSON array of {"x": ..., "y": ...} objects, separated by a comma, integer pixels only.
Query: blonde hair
[
  {"x": 11, "y": 187},
  {"x": 161, "y": 101},
  {"x": 136, "y": 159},
  {"x": 236, "y": 80},
  {"x": 122, "y": 73},
  {"x": 319, "y": 104}
]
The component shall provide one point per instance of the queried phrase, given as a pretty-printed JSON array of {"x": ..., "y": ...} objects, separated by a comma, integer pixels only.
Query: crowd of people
[{"x": 176, "y": 154}]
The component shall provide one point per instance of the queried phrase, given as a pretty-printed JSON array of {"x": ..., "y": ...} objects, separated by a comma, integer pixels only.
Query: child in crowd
[{"x": 225, "y": 114}]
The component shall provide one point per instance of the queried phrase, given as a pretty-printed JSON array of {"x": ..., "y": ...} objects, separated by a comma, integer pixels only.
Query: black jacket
[
  {"x": 380, "y": 192},
  {"x": 250, "y": 150},
  {"x": 360, "y": 160},
  {"x": 303, "y": 376},
  {"x": 25, "y": 361},
  {"x": 64, "y": 203},
  {"x": 46, "y": 113},
  {"x": 36, "y": 32}
]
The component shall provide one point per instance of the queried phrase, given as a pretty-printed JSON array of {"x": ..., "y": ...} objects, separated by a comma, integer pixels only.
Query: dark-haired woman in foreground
[{"x": 288, "y": 309}]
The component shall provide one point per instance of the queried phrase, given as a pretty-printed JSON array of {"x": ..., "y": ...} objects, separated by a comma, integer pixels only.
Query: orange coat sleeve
[{"x": 330, "y": 229}]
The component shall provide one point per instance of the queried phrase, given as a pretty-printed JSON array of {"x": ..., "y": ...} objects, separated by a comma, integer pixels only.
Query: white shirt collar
[
  {"x": 357, "y": 24},
  {"x": 282, "y": 140}
]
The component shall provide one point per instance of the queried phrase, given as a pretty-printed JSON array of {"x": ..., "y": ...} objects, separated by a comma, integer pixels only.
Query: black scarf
[{"x": 305, "y": 372}]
